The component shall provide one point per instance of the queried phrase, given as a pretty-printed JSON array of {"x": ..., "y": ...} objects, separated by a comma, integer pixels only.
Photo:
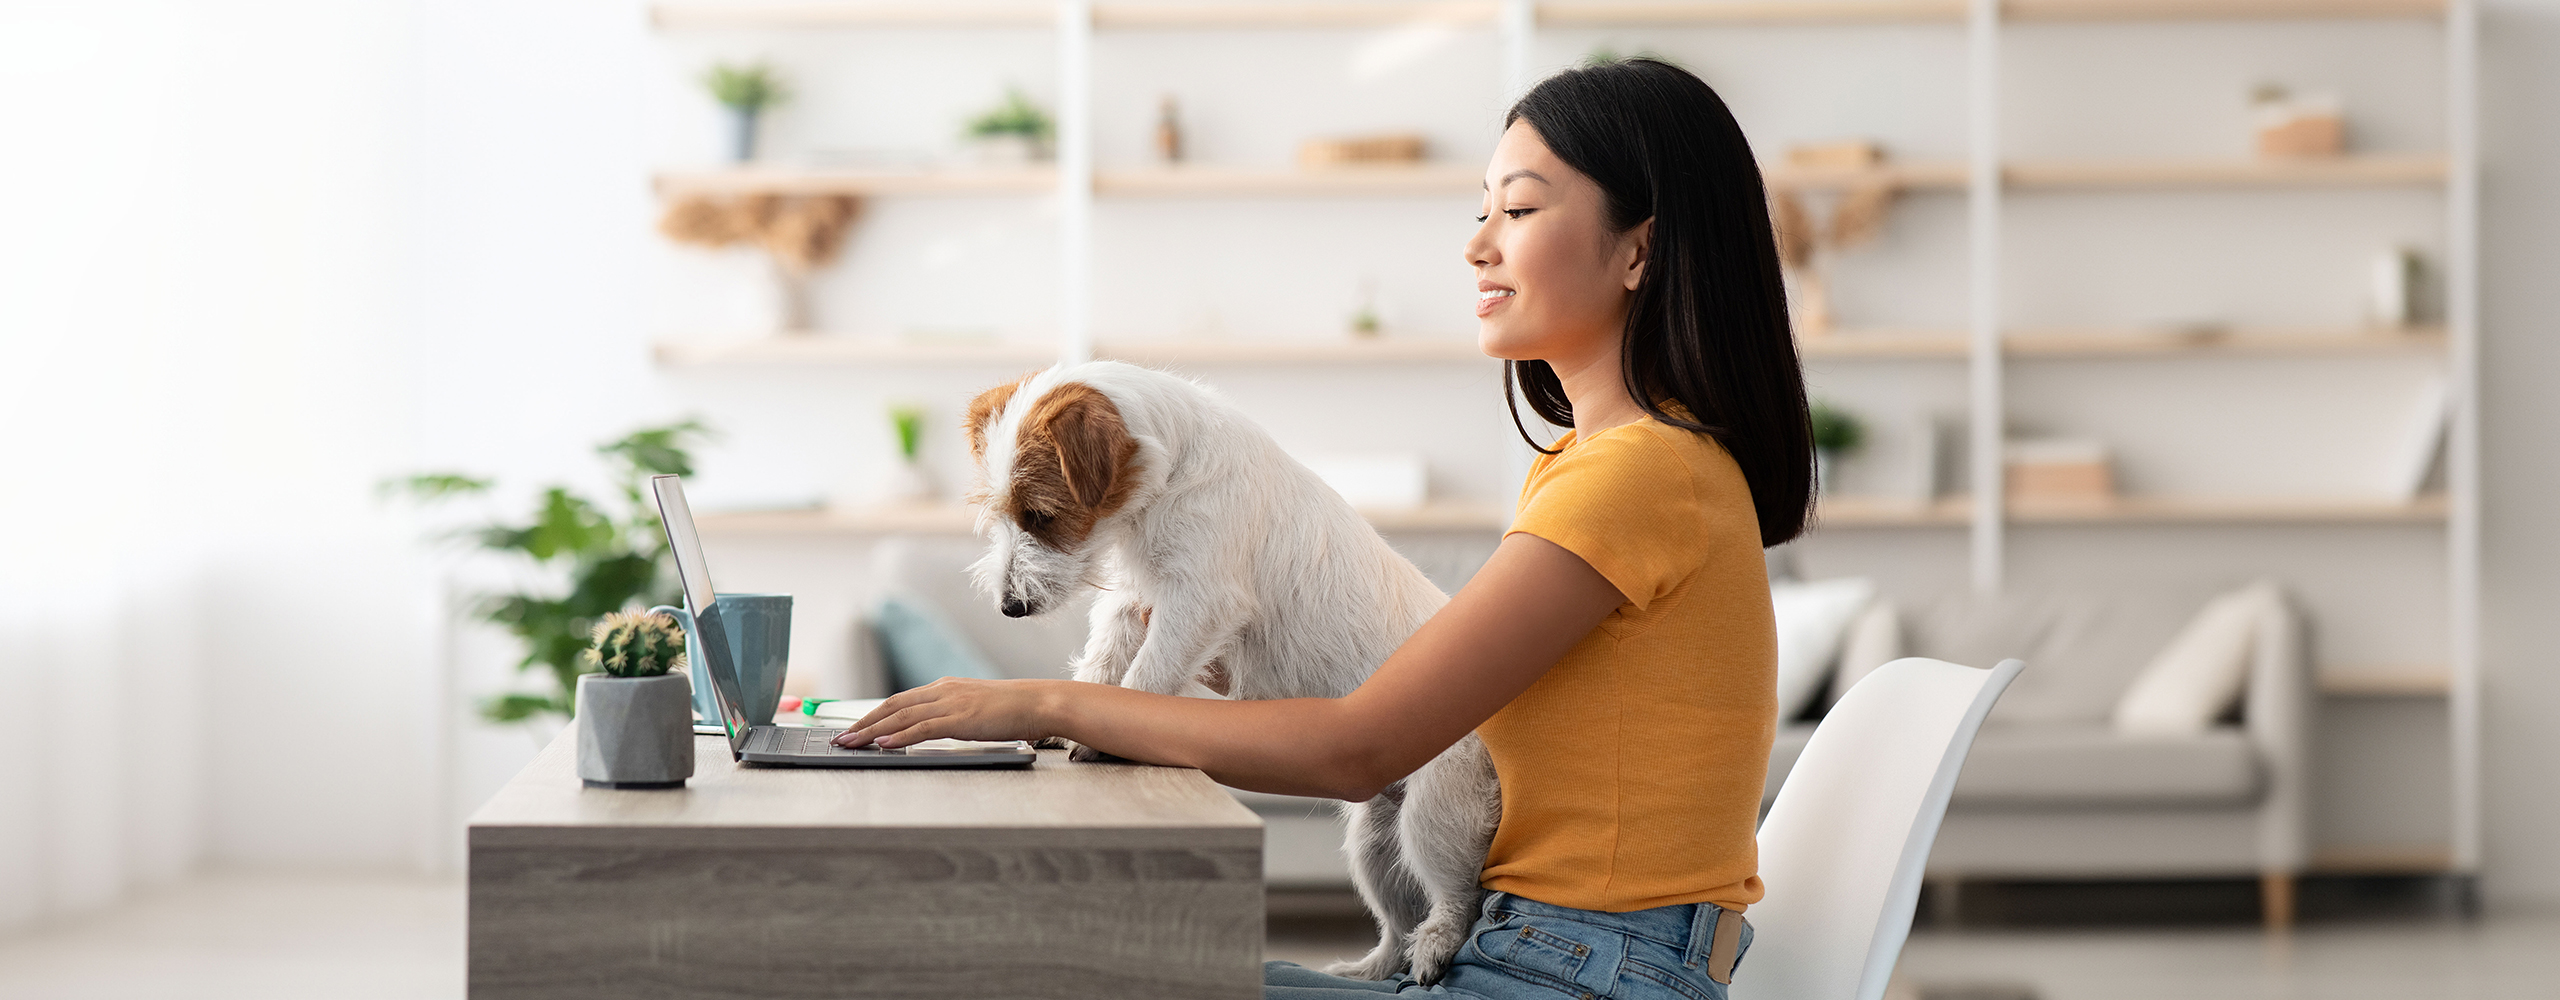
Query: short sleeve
[{"x": 1625, "y": 504}]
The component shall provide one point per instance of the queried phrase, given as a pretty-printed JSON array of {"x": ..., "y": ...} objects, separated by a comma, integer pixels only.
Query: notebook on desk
[{"x": 799, "y": 746}]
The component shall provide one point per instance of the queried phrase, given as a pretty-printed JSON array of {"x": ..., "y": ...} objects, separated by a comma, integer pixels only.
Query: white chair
[{"x": 1844, "y": 845}]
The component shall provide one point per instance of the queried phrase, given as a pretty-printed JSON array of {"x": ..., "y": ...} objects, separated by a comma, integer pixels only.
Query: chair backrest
[{"x": 1844, "y": 844}]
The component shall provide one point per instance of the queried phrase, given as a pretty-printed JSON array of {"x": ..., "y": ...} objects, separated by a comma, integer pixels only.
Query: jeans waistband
[{"x": 1688, "y": 928}]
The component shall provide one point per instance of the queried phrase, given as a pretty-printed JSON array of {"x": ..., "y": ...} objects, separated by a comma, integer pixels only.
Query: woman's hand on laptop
[{"x": 957, "y": 708}]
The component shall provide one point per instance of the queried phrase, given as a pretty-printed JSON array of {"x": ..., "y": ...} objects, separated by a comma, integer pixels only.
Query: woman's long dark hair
[{"x": 1708, "y": 327}]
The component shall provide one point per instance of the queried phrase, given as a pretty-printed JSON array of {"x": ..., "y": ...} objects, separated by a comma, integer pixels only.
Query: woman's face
[{"x": 1552, "y": 282}]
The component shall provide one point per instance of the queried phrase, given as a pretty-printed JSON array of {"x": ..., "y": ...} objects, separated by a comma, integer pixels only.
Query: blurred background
[{"x": 2129, "y": 320}]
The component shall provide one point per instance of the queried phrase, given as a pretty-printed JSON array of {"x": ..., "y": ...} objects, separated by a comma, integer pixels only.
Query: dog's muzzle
[{"x": 1015, "y": 607}]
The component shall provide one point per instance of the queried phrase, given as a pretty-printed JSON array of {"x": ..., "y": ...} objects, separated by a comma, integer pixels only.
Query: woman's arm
[{"x": 1521, "y": 613}]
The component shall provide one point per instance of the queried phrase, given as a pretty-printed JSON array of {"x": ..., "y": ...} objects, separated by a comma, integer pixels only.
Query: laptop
[{"x": 800, "y": 746}]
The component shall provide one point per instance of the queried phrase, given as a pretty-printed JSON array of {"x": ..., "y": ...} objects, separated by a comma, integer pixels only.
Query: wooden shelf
[
  {"x": 1957, "y": 511},
  {"x": 1877, "y": 512},
  {"x": 956, "y": 520},
  {"x": 2342, "y": 171},
  {"x": 2230, "y": 510},
  {"x": 2385, "y": 680},
  {"x": 817, "y": 180},
  {"x": 856, "y": 14},
  {"x": 831, "y": 349},
  {"x": 1603, "y": 13},
  {"x": 1344, "y": 351},
  {"x": 2383, "y": 859},
  {"x": 1318, "y": 14},
  {"x": 823, "y": 349},
  {"x": 1209, "y": 181},
  {"x": 2034, "y": 344},
  {"x": 2215, "y": 10},
  {"x": 1922, "y": 175},
  {"x": 1565, "y": 14},
  {"x": 2240, "y": 341}
]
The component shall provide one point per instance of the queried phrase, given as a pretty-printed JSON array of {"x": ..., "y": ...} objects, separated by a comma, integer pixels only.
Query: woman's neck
[{"x": 1597, "y": 388}]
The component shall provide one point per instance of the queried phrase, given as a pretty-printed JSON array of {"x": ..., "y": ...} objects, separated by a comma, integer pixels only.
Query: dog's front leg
[
  {"x": 1118, "y": 627},
  {"x": 1183, "y": 635}
]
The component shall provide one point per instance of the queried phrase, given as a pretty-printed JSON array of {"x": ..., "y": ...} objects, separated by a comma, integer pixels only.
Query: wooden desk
[{"x": 1062, "y": 880}]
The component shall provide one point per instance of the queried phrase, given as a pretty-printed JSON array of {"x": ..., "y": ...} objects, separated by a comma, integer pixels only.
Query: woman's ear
[{"x": 1635, "y": 249}]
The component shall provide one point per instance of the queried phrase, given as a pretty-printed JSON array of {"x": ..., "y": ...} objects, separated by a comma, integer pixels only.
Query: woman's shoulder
[{"x": 1650, "y": 450}]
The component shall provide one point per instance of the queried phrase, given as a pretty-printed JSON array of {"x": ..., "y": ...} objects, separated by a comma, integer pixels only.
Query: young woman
[{"x": 1617, "y": 653}]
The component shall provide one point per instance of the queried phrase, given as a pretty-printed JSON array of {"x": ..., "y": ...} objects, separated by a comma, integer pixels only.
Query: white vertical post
[
  {"x": 1982, "y": 54},
  {"x": 1518, "y": 27},
  {"x": 2462, "y": 454},
  {"x": 1075, "y": 181}
]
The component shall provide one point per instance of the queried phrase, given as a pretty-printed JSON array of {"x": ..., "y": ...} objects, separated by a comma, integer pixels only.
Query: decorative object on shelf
[
  {"x": 1168, "y": 131},
  {"x": 800, "y": 233},
  {"x": 2058, "y": 471},
  {"x": 2291, "y": 125},
  {"x": 635, "y": 714},
  {"x": 614, "y": 560},
  {"x": 2413, "y": 459},
  {"x": 2397, "y": 273},
  {"x": 1014, "y": 133},
  {"x": 1364, "y": 320},
  {"x": 907, "y": 481},
  {"x": 1857, "y": 219},
  {"x": 1362, "y": 151},
  {"x": 747, "y": 91},
  {"x": 1836, "y": 432}
]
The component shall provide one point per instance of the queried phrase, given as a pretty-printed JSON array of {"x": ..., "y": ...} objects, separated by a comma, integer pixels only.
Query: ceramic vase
[
  {"x": 635, "y": 732},
  {"x": 742, "y": 134}
]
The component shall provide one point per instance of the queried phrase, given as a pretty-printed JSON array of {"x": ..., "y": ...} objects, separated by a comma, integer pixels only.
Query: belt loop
[{"x": 1702, "y": 929}]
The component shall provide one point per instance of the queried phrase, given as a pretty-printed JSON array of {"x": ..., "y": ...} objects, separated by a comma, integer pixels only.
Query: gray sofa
[
  {"x": 2050, "y": 791},
  {"x": 2053, "y": 791}
]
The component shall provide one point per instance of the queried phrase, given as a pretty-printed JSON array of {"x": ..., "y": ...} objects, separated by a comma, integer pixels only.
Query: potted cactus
[{"x": 635, "y": 717}]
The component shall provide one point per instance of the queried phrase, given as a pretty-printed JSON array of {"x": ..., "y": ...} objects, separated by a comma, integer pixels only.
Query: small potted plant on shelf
[
  {"x": 1014, "y": 133},
  {"x": 1836, "y": 432},
  {"x": 635, "y": 716},
  {"x": 746, "y": 91},
  {"x": 908, "y": 483}
]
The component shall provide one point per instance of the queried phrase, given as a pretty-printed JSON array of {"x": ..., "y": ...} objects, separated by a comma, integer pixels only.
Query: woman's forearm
[{"x": 1296, "y": 746}]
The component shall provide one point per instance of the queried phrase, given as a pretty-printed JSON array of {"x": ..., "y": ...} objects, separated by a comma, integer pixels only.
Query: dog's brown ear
[
  {"x": 984, "y": 410},
  {"x": 1093, "y": 444}
]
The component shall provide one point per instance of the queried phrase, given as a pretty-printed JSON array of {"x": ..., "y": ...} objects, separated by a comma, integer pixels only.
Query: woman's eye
[{"x": 1517, "y": 212}]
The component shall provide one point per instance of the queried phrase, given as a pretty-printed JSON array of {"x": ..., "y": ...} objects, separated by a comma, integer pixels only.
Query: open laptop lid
[{"x": 711, "y": 633}]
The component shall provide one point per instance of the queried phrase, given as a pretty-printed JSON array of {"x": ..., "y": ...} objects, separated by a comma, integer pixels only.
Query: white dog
[{"x": 1228, "y": 570}]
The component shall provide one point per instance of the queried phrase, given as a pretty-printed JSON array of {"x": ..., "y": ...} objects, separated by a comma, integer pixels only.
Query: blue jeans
[{"x": 1522, "y": 949}]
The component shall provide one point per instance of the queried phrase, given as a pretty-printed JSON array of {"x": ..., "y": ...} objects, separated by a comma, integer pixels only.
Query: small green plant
[
  {"x": 614, "y": 559},
  {"x": 750, "y": 88},
  {"x": 628, "y": 644},
  {"x": 1016, "y": 116},
  {"x": 1836, "y": 430},
  {"x": 910, "y": 423}
]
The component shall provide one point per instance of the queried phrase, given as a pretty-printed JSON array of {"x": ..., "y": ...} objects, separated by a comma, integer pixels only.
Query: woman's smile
[{"x": 1490, "y": 296}]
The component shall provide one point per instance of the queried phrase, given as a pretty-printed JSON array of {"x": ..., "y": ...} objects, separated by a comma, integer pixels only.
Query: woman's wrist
[{"x": 1053, "y": 712}]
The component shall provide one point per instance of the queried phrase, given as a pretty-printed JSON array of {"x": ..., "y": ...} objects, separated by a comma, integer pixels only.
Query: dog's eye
[{"x": 1036, "y": 520}]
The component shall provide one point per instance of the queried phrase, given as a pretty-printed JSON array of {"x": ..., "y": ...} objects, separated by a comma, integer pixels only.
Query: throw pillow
[
  {"x": 2202, "y": 672},
  {"x": 1874, "y": 639},
  {"x": 1811, "y": 617},
  {"x": 921, "y": 647}
]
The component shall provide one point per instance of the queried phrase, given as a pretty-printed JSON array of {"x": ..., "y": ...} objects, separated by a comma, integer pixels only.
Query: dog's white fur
[{"x": 1224, "y": 558}]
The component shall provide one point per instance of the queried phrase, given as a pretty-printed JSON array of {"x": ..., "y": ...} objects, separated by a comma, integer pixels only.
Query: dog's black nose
[{"x": 1014, "y": 608}]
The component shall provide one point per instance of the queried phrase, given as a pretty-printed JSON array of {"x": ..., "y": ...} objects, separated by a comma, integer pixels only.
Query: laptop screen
[{"x": 713, "y": 634}]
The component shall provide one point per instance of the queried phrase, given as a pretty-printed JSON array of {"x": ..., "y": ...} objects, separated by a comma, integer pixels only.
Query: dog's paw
[
  {"x": 1434, "y": 945},
  {"x": 1377, "y": 965},
  {"x": 1051, "y": 743},
  {"x": 1083, "y": 754}
]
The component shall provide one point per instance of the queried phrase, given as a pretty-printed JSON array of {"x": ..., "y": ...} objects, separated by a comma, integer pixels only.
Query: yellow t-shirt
[{"x": 1631, "y": 772}]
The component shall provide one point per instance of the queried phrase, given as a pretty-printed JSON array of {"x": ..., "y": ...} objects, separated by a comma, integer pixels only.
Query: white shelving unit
[{"x": 1991, "y": 349}]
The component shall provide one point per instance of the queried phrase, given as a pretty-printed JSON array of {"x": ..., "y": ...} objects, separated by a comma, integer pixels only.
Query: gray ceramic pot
[{"x": 635, "y": 732}]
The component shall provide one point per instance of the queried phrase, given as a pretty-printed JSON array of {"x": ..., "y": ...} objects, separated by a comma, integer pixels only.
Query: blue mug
[{"x": 758, "y": 627}]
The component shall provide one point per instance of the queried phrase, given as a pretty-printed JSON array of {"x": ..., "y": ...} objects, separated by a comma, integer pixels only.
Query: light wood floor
[{"x": 280, "y": 937}]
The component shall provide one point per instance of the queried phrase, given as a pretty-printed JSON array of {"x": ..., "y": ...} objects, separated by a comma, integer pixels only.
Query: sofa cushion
[
  {"x": 2081, "y": 766},
  {"x": 2089, "y": 765}
]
